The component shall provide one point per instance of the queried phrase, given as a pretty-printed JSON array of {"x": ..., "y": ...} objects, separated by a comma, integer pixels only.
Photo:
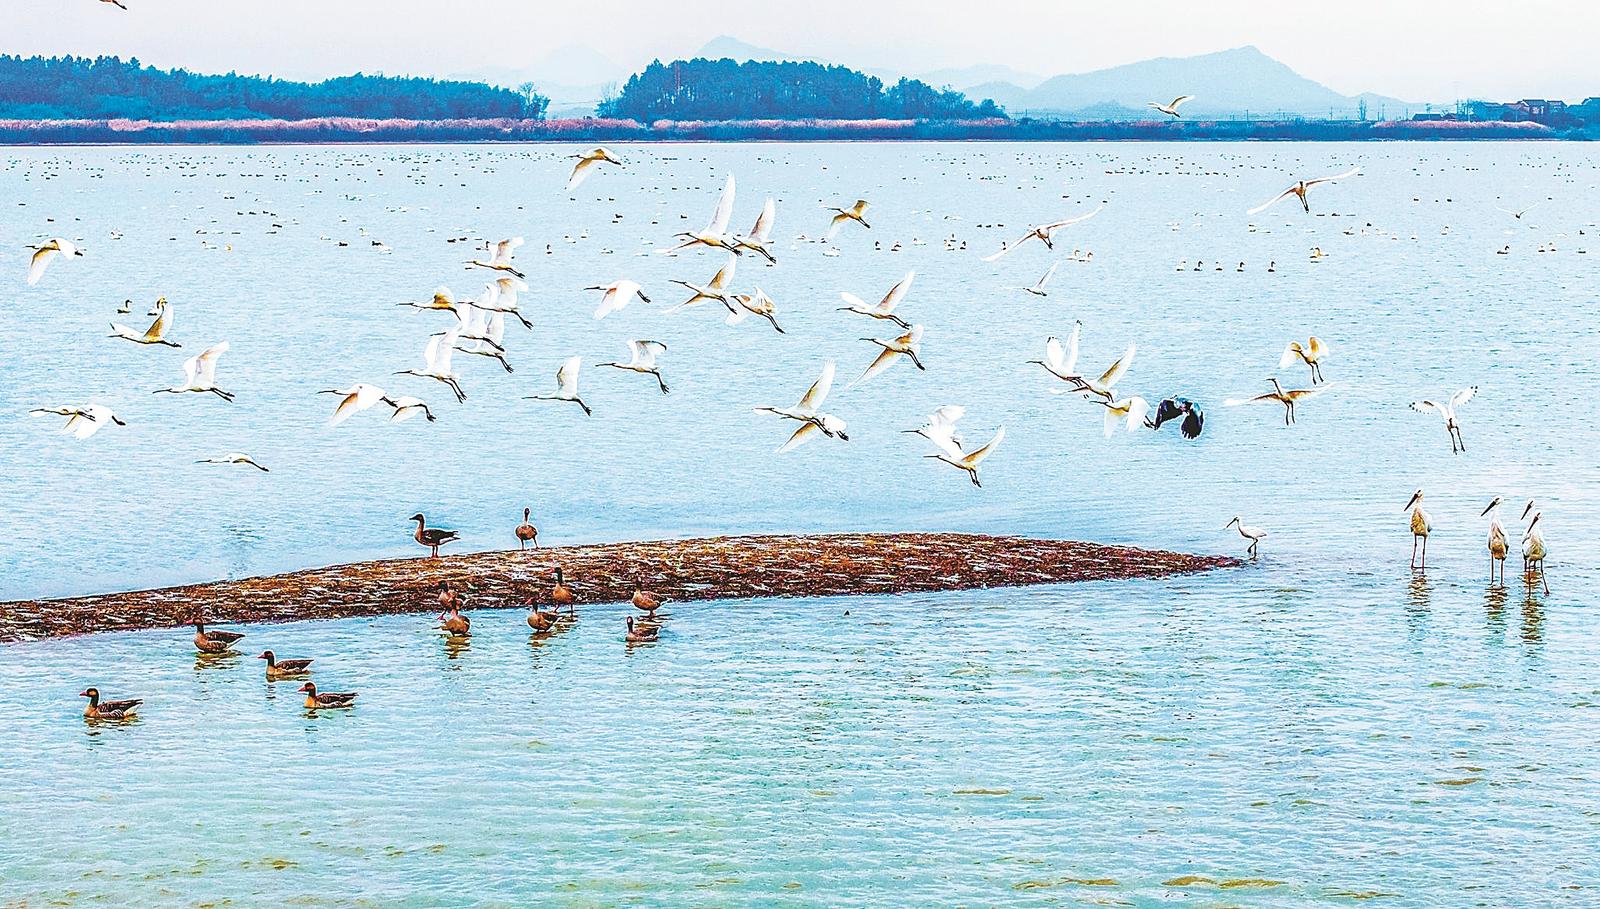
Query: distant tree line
[
  {"x": 44, "y": 88},
  {"x": 702, "y": 89}
]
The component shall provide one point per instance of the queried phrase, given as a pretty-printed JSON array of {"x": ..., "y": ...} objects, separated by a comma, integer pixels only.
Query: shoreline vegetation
[
  {"x": 335, "y": 130},
  {"x": 713, "y": 568}
]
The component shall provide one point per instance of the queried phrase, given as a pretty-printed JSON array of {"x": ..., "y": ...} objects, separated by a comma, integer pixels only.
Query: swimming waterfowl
[
  {"x": 213, "y": 641},
  {"x": 282, "y": 669},
  {"x": 541, "y": 621},
  {"x": 641, "y": 634},
  {"x": 645, "y": 600},
  {"x": 327, "y": 700},
  {"x": 430, "y": 537},
  {"x": 526, "y": 532},
  {"x": 452, "y": 621},
  {"x": 107, "y": 710}
]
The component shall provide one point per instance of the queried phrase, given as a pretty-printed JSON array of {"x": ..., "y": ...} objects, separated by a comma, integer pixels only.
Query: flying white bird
[
  {"x": 642, "y": 359},
  {"x": 716, "y": 289},
  {"x": 233, "y": 458},
  {"x": 436, "y": 362},
  {"x": 1043, "y": 232},
  {"x": 82, "y": 422},
  {"x": 442, "y": 299},
  {"x": 617, "y": 295},
  {"x": 715, "y": 233},
  {"x": 1131, "y": 411},
  {"x": 406, "y": 407},
  {"x": 489, "y": 331},
  {"x": 1312, "y": 353},
  {"x": 353, "y": 400},
  {"x": 1448, "y": 411},
  {"x": 200, "y": 373},
  {"x": 970, "y": 461},
  {"x": 1253, "y": 534},
  {"x": 907, "y": 345},
  {"x": 808, "y": 411},
  {"x": 501, "y": 260},
  {"x": 45, "y": 253},
  {"x": 1171, "y": 110},
  {"x": 1061, "y": 360},
  {"x": 760, "y": 236},
  {"x": 155, "y": 334},
  {"x": 941, "y": 429},
  {"x": 856, "y": 213},
  {"x": 1105, "y": 386},
  {"x": 885, "y": 307},
  {"x": 566, "y": 385},
  {"x": 501, "y": 296},
  {"x": 745, "y": 305},
  {"x": 1287, "y": 398},
  {"x": 1038, "y": 288},
  {"x": 586, "y": 163},
  {"x": 1518, "y": 214},
  {"x": 1299, "y": 189}
]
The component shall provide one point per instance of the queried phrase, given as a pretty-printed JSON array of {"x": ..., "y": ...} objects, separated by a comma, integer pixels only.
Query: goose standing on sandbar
[
  {"x": 526, "y": 532},
  {"x": 561, "y": 594},
  {"x": 432, "y": 537}
]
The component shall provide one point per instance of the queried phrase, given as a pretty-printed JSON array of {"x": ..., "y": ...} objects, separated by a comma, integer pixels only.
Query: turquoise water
[{"x": 1325, "y": 718}]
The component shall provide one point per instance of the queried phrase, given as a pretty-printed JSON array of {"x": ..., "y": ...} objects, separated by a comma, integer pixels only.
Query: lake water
[{"x": 1325, "y": 718}]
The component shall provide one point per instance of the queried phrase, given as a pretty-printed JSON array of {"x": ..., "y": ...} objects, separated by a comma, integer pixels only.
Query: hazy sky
[{"x": 1418, "y": 50}]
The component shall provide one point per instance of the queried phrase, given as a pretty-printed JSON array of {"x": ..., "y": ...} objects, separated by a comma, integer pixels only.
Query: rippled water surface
[{"x": 1325, "y": 726}]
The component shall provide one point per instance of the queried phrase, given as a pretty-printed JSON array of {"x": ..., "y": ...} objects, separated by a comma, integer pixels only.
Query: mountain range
[{"x": 1230, "y": 83}]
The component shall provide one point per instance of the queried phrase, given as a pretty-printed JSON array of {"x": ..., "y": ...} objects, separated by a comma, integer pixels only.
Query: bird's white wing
[
  {"x": 818, "y": 392},
  {"x": 1318, "y": 348},
  {"x": 854, "y": 301},
  {"x": 1054, "y": 356},
  {"x": 1049, "y": 273},
  {"x": 805, "y": 433},
  {"x": 897, "y": 293},
  {"x": 1056, "y": 225},
  {"x": 1463, "y": 396},
  {"x": 1290, "y": 353},
  {"x": 579, "y": 172},
  {"x": 207, "y": 362},
  {"x": 504, "y": 250},
  {"x": 977, "y": 457},
  {"x": 40, "y": 261},
  {"x": 1070, "y": 363},
  {"x": 1274, "y": 201},
  {"x": 1180, "y": 101},
  {"x": 1425, "y": 406},
  {"x": 724, "y": 275},
  {"x": 1347, "y": 174},
  {"x": 762, "y": 232},
  {"x": 1112, "y": 376},
  {"x": 567, "y": 376},
  {"x": 1007, "y": 247},
  {"x": 724, "y": 212}
]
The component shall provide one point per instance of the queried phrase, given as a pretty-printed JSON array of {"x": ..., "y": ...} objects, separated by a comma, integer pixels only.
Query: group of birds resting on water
[{"x": 456, "y": 625}]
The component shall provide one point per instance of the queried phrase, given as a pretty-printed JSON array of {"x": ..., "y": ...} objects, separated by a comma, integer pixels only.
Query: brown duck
[
  {"x": 213, "y": 641},
  {"x": 641, "y": 634},
  {"x": 432, "y": 538},
  {"x": 279, "y": 669},
  {"x": 561, "y": 594},
  {"x": 526, "y": 532},
  {"x": 644, "y": 599},
  {"x": 541, "y": 621},
  {"x": 327, "y": 700},
  {"x": 452, "y": 621},
  {"x": 107, "y": 710}
]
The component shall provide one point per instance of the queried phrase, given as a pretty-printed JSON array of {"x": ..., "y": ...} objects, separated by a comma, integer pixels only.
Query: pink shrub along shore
[{"x": 351, "y": 129}]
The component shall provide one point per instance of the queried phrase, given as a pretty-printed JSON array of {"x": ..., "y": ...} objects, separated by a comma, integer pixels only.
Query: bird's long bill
[
  {"x": 1489, "y": 508},
  {"x": 1413, "y": 501}
]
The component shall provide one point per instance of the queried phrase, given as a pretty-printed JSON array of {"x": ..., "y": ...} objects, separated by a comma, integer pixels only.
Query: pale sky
[{"x": 1417, "y": 50}]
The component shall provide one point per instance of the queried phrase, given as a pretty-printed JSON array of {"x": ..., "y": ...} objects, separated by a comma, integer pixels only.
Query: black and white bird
[{"x": 1170, "y": 409}]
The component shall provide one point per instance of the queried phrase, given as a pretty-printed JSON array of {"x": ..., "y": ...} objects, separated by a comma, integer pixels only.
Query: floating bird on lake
[
  {"x": 451, "y": 621},
  {"x": 233, "y": 458},
  {"x": 1312, "y": 353},
  {"x": 1038, "y": 288},
  {"x": 744, "y": 305},
  {"x": 432, "y": 537},
  {"x": 856, "y": 213},
  {"x": 406, "y": 407},
  {"x": 1534, "y": 551},
  {"x": 45, "y": 253},
  {"x": 1254, "y": 534},
  {"x": 566, "y": 385},
  {"x": 283, "y": 669},
  {"x": 586, "y": 163},
  {"x": 353, "y": 400},
  {"x": 808, "y": 412},
  {"x": 1421, "y": 526},
  {"x": 642, "y": 359},
  {"x": 1042, "y": 232},
  {"x": 526, "y": 532},
  {"x": 716, "y": 289},
  {"x": 1299, "y": 190},
  {"x": 760, "y": 237},
  {"x": 969, "y": 461},
  {"x": 1448, "y": 411},
  {"x": 326, "y": 700},
  {"x": 436, "y": 362},
  {"x": 82, "y": 422},
  {"x": 108, "y": 710},
  {"x": 715, "y": 233},
  {"x": 1194, "y": 419},
  {"x": 213, "y": 641},
  {"x": 1171, "y": 110},
  {"x": 200, "y": 373},
  {"x": 1130, "y": 411},
  {"x": 1498, "y": 546},
  {"x": 907, "y": 345},
  {"x": 641, "y": 633},
  {"x": 501, "y": 260},
  {"x": 617, "y": 295},
  {"x": 885, "y": 308},
  {"x": 155, "y": 334},
  {"x": 1287, "y": 398}
]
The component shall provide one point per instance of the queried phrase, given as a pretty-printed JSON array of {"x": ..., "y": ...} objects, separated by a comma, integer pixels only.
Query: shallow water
[{"x": 1324, "y": 718}]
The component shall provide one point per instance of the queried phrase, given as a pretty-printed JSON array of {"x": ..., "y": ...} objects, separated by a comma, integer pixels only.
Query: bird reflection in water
[
  {"x": 1419, "y": 606},
  {"x": 1494, "y": 610},
  {"x": 1532, "y": 617},
  {"x": 456, "y": 644}
]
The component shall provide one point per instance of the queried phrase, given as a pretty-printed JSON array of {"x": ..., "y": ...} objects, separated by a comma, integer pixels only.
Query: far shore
[
  {"x": 344, "y": 130},
  {"x": 713, "y": 568}
]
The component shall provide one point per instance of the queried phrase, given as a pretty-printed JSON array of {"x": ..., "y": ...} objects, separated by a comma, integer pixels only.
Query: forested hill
[
  {"x": 703, "y": 89},
  {"x": 46, "y": 88}
]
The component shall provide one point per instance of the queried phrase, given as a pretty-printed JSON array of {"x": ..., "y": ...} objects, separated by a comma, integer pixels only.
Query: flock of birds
[{"x": 477, "y": 328}]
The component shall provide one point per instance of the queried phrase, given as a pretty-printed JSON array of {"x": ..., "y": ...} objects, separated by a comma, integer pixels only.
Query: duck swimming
[
  {"x": 280, "y": 669},
  {"x": 641, "y": 634},
  {"x": 454, "y": 622},
  {"x": 107, "y": 710},
  {"x": 213, "y": 641},
  {"x": 541, "y": 621},
  {"x": 329, "y": 700}
]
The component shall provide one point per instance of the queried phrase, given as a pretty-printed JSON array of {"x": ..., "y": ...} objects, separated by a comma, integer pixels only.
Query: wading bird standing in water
[
  {"x": 1312, "y": 353},
  {"x": 1498, "y": 547},
  {"x": 1171, "y": 110},
  {"x": 1421, "y": 526},
  {"x": 1299, "y": 189},
  {"x": 1533, "y": 551},
  {"x": 1448, "y": 411},
  {"x": 432, "y": 537},
  {"x": 1253, "y": 534},
  {"x": 586, "y": 163}
]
